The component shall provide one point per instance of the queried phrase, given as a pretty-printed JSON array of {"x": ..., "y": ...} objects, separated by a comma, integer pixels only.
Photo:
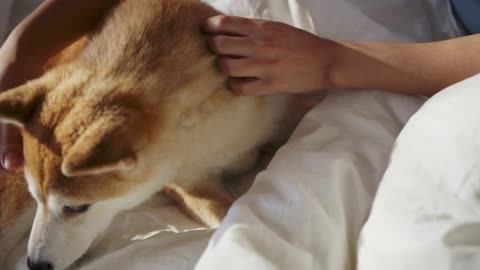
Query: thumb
[{"x": 11, "y": 154}]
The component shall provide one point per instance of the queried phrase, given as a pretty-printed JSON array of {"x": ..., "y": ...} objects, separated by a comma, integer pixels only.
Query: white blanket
[
  {"x": 306, "y": 210},
  {"x": 427, "y": 211}
]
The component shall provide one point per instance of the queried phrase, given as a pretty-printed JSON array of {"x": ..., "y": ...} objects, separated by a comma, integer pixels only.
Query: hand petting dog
[{"x": 265, "y": 57}]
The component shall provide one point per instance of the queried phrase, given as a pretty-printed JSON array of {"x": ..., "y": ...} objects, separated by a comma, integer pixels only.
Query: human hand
[
  {"x": 264, "y": 57},
  {"x": 11, "y": 152}
]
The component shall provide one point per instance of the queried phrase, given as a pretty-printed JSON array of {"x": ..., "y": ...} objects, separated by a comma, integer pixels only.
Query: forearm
[
  {"x": 411, "y": 68},
  {"x": 49, "y": 29}
]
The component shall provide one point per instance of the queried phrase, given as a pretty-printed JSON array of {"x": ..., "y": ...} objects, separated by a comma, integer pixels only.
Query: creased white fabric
[
  {"x": 427, "y": 211},
  {"x": 155, "y": 235},
  {"x": 306, "y": 210},
  {"x": 293, "y": 12}
]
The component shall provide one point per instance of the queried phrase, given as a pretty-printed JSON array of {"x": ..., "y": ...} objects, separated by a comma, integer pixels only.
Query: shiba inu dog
[{"x": 139, "y": 104}]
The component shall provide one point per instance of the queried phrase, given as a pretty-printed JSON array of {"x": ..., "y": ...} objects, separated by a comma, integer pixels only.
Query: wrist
[
  {"x": 339, "y": 69},
  {"x": 334, "y": 57}
]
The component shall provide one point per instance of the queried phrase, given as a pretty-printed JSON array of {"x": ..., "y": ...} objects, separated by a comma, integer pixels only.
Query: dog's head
[{"x": 86, "y": 159}]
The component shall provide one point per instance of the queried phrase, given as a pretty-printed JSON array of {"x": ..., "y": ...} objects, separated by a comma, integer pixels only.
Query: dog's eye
[{"x": 76, "y": 209}]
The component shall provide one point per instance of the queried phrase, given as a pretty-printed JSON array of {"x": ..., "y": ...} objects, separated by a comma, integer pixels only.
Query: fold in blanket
[
  {"x": 306, "y": 210},
  {"x": 275, "y": 226},
  {"x": 427, "y": 211}
]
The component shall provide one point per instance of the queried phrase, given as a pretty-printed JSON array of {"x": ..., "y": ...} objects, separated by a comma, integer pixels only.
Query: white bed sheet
[
  {"x": 427, "y": 211},
  {"x": 335, "y": 159},
  {"x": 155, "y": 235},
  {"x": 307, "y": 209}
]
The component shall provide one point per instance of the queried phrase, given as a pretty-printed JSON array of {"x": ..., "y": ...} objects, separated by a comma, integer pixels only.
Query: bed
[{"x": 305, "y": 210}]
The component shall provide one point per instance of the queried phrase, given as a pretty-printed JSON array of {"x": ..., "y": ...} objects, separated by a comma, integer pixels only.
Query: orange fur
[
  {"x": 205, "y": 203},
  {"x": 78, "y": 89},
  {"x": 141, "y": 93},
  {"x": 14, "y": 197}
]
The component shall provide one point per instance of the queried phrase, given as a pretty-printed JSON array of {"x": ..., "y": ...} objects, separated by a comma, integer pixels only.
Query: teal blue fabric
[{"x": 468, "y": 13}]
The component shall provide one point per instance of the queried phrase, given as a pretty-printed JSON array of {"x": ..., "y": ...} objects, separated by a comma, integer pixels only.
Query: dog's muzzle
[{"x": 39, "y": 265}]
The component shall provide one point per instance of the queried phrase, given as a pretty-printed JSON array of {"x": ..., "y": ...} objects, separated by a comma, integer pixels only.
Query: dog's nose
[{"x": 39, "y": 265}]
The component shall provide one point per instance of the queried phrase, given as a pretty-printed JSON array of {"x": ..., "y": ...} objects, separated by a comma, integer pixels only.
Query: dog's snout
[{"x": 39, "y": 265}]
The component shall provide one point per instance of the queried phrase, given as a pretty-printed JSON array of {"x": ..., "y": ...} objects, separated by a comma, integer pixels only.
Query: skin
[
  {"x": 261, "y": 58},
  {"x": 265, "y": 57}
]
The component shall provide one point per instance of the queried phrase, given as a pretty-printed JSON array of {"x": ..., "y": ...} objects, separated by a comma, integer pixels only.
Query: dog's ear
[
  {"x": 100, "y": 149},
  {"x": 17, "y": 105}
]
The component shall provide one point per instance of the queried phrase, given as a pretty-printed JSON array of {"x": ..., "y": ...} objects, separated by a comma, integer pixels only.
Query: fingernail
[{"x": 11, "y": 161}]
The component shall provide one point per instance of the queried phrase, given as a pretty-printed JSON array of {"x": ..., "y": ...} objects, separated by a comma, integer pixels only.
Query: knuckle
[
  {"x": 258, "y": 45},
  {"x": 238, "y": 87},
  {"x": 216, "y": 24},
  {"x": 271, "y": 56},
  {"x": 250, "y": 23},
  {"x": 270, "y": 53},
  {"x": 213, "y": 23},
  {"x": 217, "y": 43},
  {"x": 270, "y": 26},
  {"x": 226, "y": 66},
  {"x": 223, "y": 20},
  {"x": 272, "y": 32}
]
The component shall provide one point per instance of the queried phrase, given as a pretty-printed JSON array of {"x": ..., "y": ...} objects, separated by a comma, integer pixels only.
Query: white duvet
[{"x": 306, "y": 210}]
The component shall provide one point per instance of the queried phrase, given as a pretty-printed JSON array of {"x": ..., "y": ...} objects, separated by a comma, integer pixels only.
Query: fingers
[
  {"x": 11, "y": 156},
  {"x": 244, "y": 51},
  {"x": 233, "y": 46},
  {"x": 241, "y": 67},
  {"x": 229, "y": 25}
]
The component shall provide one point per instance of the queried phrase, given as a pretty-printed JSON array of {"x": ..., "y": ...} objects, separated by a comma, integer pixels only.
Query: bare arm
[
  {"x": 411, "y": 68},
  {"x": 266, "y": 57},
  {"x": 49, "y": 29}
]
